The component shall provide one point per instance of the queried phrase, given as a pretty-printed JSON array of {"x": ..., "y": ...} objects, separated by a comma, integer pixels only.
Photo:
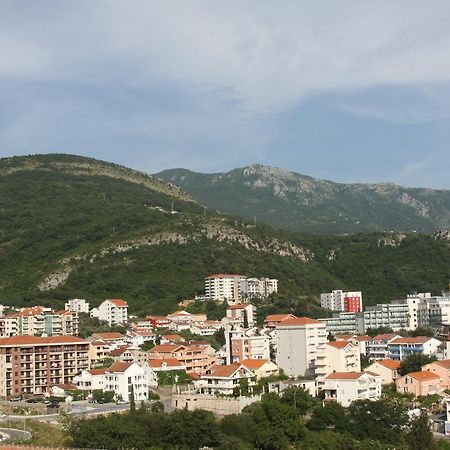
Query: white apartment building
[
  {"x": 223, "y": 287},
  {"x": 123, "y": 378},
  {"x": 435, "y": 310},
  {"x": 346, "y": 387},
  {"x": 258, "y": 287},
  {"x": 338, "y": 300},
  {"x": 241, "y": 344},
  {"x": 344, "y": 323},
  {"x": 339, "y": 356},
  {"x": 114, "y": 311},
  {"x": 297, "y": 341},
  {"x": 77, "y": 305},
  {"x": 402, "y": 347},
  {"x": 236, "y": 314},
  {"x": 377, "y": 347}
]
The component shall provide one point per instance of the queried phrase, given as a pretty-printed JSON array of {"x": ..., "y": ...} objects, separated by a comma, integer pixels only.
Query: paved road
[{"x": 13, "y": 434}]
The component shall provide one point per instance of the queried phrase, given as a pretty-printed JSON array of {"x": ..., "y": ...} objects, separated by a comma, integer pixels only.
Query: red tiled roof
[
  {"x": 424, "y": 375},
  {"x": 443, "y": 363},
  {"x": 223, "y": 371},
  {"x": 345, "y": 375},
  {"x": 278, "y": 317},
  {"x": 411, "y": 340},
  {"x": 109, "y": 336},
  {"x": 97, "y": 371},
  {"x": 223, "y": 275},
  {"x": 119, "y": 367},
  {"x": 384, "y": 337},
  {"x": 339, "y": 344},
  {"x": 253, "y": 364},
  {"x": 299, "y": 321},
  {"x": 362, "y": 338},
  {"x": 165, "y": 348},
  {"x": 118, "y": 351},
  {"x": 173, "y": 337},
  {"x": 35, "y": 340},
  {"x": 118, "y": 302},
  {"x": 390, "y": 363},
  {"x": 239, "y": 306}
]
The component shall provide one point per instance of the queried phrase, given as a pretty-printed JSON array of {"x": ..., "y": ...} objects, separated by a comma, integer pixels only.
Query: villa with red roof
[
  {"x": 262, "y": 368},
  {"x": 114, "y": 311},
  {"x": 125, "y": 377},
  {"x": 442, "y": 369},
  {"x": 419, "y": 383},
  {"x": 297, "y": 341},
  {"x": 388, "y": 369}
]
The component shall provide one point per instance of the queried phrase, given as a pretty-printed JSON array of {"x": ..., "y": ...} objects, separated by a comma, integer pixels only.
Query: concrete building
[
  {"x": 247, "y": 343},
  {"x": 297, "y": 341},
  {"x": 377, "y": 347},
  {"x": 223, "y": 287},
  {"x": 262, "y": 368},
  {"x": 90, "y": 380},
  {"x": 31, "y": 365},
  {"x": 114, "y": 311},
  {"x": 126, "y": 378},
  {"x": 236, "y": 314},
  {"x": 77, "y": 305},
  {"x": 338, "y": 356},
  {"x": 344, "y": 322},
  {"x": 387, "y": 369},
  {"x": 442, "y": 369},
  {"x": 157, "y": 366},
  {"x": 345, "y": 387},
  {"x": 257, "y": 287},
  {"x": 401, "y": 348},
  {"x": 419, "y": 384},
  {"x": 338, "y": 300}
]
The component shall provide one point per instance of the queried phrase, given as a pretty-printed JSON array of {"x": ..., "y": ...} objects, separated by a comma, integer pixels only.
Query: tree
[
  {"x": 297, "y": 397},
  {"x": 380, "y": 330},
  {"x": 132, "y": 400},
  {"x": 414, "y": 363},
  {"x": 420, "y": 434}
]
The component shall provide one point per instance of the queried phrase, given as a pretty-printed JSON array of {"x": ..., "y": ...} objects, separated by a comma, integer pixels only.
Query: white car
[{"x": 121, "y": 402}]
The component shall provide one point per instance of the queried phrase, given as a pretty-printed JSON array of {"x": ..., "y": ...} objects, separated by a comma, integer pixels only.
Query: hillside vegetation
[
  {"x": 297, "y": 202},
  {"x": 68, "y": 233}
]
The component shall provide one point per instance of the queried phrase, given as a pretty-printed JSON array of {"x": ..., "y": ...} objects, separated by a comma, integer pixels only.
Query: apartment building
[
  {"x": 31, "y": 365},
  {"x": 223, "y": 287},
  {"x": 377, "y": 347},
  {"x": 247, "y": 343},
  {"x": 197, "y": 358},
  {"x": 338, "y": 356},
  {"x": 401, "y": 348},
  {"x": 297, "y": 341},
  {"x": 272, "y": 320},
  {"x": 347, "y": 387},
  {"x": 39, "y": 321},
  {"x": 114, "y": 311},
  {"x": 77, "y": 305},
  {"x": 258, "y": 287},
  {"x": 90, "y": 380},
  {"x": 238, "y": 314},
  {"x": 125, "y": 379},
  {"x": 338, "y": 300},
  {"x": 344, "y": 323},
  {"x": 262, "y": 368}
]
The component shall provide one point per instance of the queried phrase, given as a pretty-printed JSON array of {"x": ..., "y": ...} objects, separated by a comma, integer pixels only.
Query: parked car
[
  {"x": 15, "y": 399},
  {"x": 53, "y": 405},
  {"x": 101, "y": 400},
  {"x": 31, "y": 400},
  {"x": 121, "y": 402}
]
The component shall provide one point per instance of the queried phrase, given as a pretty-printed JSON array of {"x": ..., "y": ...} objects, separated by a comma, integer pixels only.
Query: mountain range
[
  {"x": 76, "y": 227},
  {"x": 298, "y": 202}
]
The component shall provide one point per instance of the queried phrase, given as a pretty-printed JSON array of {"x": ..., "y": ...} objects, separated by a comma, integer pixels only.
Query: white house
[
  {"x": 123, "y": 378},
  {"x": 89, "y": 380},
  {"x": 162, "y": 365},
  {"x": 346, "y": 387},
  {"x": 114, "y": 311},
  {"x": 297, "y": 341},
  {"x": 78, "y": 305}
]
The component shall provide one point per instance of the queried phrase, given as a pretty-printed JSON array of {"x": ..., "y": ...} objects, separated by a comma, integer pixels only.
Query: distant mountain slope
[
  {"x": 292, "y": 201},
  {"x": 68, "y": 228}
]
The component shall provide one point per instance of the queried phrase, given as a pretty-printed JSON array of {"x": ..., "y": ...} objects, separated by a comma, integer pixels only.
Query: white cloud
[{"x": 262, "y": 55}]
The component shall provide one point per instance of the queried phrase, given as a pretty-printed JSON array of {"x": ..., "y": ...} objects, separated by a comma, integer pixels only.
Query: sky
[{"x": 354, "y": 91}]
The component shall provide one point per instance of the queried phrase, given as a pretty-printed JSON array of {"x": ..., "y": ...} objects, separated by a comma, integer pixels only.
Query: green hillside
[
  {"x": 77, "y": 227},
  {"x": 297, "y": 202}
]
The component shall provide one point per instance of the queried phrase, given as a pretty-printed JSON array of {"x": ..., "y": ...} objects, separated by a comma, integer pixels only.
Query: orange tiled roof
[
  {"x": 361, "y": 338},
  {"x": 278, "y": 317},
  {"x": 411, "y": 340},
  {"x": 239, "y": 306},
  {"x": 223, "y": 371},
  {"x": 345, "y": 375},
  {"x": 339, "y": 344},
  {"x": 165, "y": 348},
  {"x": 118, "y": 351},
  {"x": 384, "y": 337},
  {"x": 109, "y": 336},
  {"x": 390, "y": 363},
  {"x": 97, "y": 371},
  {"x": 253, "y": 364},
  {"x": 443, "y": 363},
  {"x": 172, "y": 337},
  {"x": 424, "y": 375},
  {"x": 119, "y": 367},
  {"x": 118, "y": 302},
  {"x": 35, "y": 340},
  {"x": 299, "y": 321}
]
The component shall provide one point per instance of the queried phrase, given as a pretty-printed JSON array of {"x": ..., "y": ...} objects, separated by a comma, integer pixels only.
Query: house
[
  {"x": 98, "y": 351},
  {"x": 297, "y": 341},
  {"x": 338, "y": 356},
  {"x": 346, "y": 387},
  {"x": 138, "y": 337},
  {"x": 158, "y": 322},
  {"x": 171, "y": 338},
  {"x": 224, "y": 379},
  {"x": 387, "y": 369},
  {"x": 401, "y": 348},
  {"x": 90, "y": 380},
  {"x": 309, "y": 386},
  {"x": 162, "y": 365},
  {"x": 124, "y": 378},
  {"x": 114, "y": 311},
  {"x": 442, "y": 369},
  {"x": 363, "y": 343},
  {"x": 241, "y": 313},
  {"x": 262, "y": 368},
  {"x": 113, "y": 339},
  {"x": 122, "y": 354},
  {"x": 419, "y": 383},
  {"x": 377, "y": 347},
  {"x": 272, "y": 320}
]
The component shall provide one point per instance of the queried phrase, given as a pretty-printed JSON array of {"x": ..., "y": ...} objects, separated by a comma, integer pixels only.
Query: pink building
[{"x": 419, "y": 384}]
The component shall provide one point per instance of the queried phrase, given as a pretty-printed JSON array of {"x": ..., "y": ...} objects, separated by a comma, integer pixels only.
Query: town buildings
[
  {"x": 377, "y": 347},
  {"x": 126, "y": 379},
  {"x": 297, "y": 341},
  {"x": 32, "y": 365},
  {"x": 338, "y": 300},
  {"x": 419, "y": 383},
  {"x": 114, "y": 311},
  {"x": 77, "y": 305},
  {"x": 442, "y": 369},
  {"x": 246, "y": 343},
  {"x": 223, "y": 287},
  {"x": 402, "y": 347},
  {"x": 388, "y": 369},
  {"x": 241, "y": 314},
  {"x": 346, "y": 387}
]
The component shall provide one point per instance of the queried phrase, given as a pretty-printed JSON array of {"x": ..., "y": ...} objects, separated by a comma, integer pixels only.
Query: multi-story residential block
[
  {"x": 136, "y": 338},
  {"x": 114, "y": 311},
  {"x": 246, "y": 343},
  {"x": 419, "y": 384},
  {"x": 224, "y": 379},
  {"x": 338, "y": 300},
  {"x": 401, "y": 348},
  {"x": 338, "y": 356},
  {"x": 377, "y": 347},
  {"x": 442, "y": 369},
  {"x": 297, "y": 341},
  {"x": 257, "y": 287},
  {"x": 240, "y": 313},
  {"x": 344, "y": 322},
  {"x": 31, "y": 365},
  {"x": 77, "y": 305},
  {"x": 346, "y": 387},
  {"x": 223, "y": 287},
  {"x": 39, "y": 321},
  {"x": 197, "y": 358},
  {"x": 387, "y": 369},
  {"x": 125, "y": 379},
  {"x": 434, "y": 310}
]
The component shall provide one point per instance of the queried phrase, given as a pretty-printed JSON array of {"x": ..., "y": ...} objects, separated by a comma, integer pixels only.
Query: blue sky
[{"x": 355, "y": 91}]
